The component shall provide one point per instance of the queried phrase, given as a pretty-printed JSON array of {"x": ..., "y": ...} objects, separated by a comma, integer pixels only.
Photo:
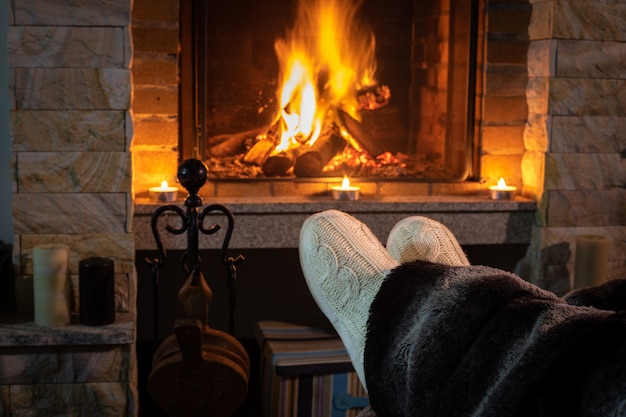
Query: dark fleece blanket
[{"x": 477, "y": 341}]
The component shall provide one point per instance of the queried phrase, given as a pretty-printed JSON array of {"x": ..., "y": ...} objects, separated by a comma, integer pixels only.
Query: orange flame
[{"x": 324, "y": 59}]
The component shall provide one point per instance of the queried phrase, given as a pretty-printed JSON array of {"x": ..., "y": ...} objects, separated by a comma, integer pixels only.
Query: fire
[{"x": 324, "y": 60}]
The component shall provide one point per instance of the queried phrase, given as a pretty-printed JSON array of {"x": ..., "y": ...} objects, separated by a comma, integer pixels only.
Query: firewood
[
  {"x": 278, "y": 165},
  {"x": 314, "y": 158},
  {"x": 259, "y": 152},
  {"x": 231, "y": 144},
  {"x": 364, "y": 139}
]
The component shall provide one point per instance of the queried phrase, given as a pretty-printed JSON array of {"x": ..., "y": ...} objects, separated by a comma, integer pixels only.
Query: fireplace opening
[{"x": 303, "y": 89}]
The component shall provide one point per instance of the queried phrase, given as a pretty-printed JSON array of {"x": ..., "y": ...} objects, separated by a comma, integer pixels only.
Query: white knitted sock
[
  {"x": 424, "y": 239},
  {"x": 344, "y": 265}
]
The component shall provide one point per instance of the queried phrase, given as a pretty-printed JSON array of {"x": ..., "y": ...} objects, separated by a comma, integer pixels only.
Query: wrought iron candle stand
[{"x": 198, "y": 370}]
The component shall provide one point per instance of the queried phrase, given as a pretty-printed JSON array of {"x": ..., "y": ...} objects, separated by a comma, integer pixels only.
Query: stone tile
[
  {"x": 533, "y": 168},
  {"x": 102, "y": 364},
  {"x": 537, "y": 132},
  {"x": 591, "y": 20},
  {"x": 50, "y": 130},
  {"x": 587, "y": 97},
  {"x": 588, "y": 134},
  {"x": 584, "y": 171},
  {"x": 538, "y": 95},
  {"x": 69, "y": 213},
  {"x": 72, "y": 88},
  {"x": 129, "y": 129},
  {"x": 540, "y": 26},
  {"x": 74, "y": 172},
  {"x": 54, "y": 47},
  {"x": 70, "y": 13},
  {"x": 578, "y": 19},
  {"x": 124, "y": 291},
  {"x": 542, "y": 58},
  {"x": 20, "y": 336},
  {"x": 117, "y": 246},
  {"x": 27, "y": 365},
  {"x": 587, "y": 208},
  {"x": 96, "y": 399},
  {"x": 10, "y": 13},
  {"x": 13, "y": 172},
  {"x": 591, "y": 59}
]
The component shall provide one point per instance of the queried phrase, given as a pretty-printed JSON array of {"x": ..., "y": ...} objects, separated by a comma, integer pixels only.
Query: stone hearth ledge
[
  {"x": 274, "y": 222},
  {"x": 20, "y": 331}
]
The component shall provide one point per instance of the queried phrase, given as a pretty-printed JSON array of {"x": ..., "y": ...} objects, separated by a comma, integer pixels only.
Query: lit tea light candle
[
  {"x": 164, "y": 193},
  {"x": 345, "y": 191},
  {"x": 502, "y": 191}
]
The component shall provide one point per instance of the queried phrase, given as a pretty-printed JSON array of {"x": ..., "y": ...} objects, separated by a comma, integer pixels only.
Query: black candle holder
[{"x": 192, "y": 175}]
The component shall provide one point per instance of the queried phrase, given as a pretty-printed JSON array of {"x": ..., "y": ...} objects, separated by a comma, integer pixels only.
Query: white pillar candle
[
  {"x": 51, "y": 286},
  {"x": 592, "y": 255}
]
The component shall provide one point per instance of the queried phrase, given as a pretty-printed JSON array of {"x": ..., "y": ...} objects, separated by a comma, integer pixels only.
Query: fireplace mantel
[{"x": 271, "y": 222}]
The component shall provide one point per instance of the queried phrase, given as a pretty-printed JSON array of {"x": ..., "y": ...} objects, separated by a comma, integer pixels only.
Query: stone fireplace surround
[{"x": 93, "y": 124}]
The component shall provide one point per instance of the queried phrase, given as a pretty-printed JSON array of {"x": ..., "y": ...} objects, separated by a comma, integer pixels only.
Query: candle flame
[
  {"x": 346, "y": 182},
  {"x": 501, "y": 183},
  {"x": 163, "y": 185}
]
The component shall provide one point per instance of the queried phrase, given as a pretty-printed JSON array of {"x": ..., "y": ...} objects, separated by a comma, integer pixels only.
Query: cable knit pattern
[
  {"x": 344, "y": 265},
  {"x": 420, "y": 238}
]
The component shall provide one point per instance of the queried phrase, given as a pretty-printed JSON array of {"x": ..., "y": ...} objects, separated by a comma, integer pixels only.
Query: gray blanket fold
[{"x": 476, "y": 341}]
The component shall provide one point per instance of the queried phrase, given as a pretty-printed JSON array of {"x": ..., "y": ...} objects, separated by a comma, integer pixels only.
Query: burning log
[
  {"x": 311, "y": 162},
  {"x": 231, "y": 144},
  {"x": 366, "y": 141},
  {"x": 278, "y": 165},
  {"x": 373, "y": 97},
  {"x": 259, "y": 152}
]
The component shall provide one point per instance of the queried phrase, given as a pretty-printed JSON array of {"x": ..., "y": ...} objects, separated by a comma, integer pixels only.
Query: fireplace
[{"x": 415, "y": 120}]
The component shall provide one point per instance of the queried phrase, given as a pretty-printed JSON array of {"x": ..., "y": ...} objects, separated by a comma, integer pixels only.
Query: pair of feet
[{"x": 344, "y": 265}]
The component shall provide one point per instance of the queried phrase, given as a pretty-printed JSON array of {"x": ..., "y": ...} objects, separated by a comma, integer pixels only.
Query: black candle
[{"x": 96, "y": 287}]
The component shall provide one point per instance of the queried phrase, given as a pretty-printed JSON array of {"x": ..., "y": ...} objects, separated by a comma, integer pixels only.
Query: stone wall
[
  {"x": 70, "y": 87},
  {"x": 576, "y": 134}
]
